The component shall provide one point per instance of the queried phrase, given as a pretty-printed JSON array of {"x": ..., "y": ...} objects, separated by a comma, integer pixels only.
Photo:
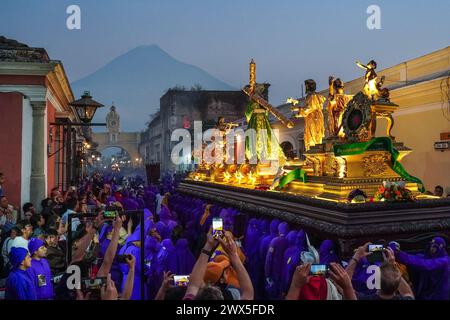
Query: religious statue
[
  {"x": 257, "y": 115},
  {"x": 372, "y": 87},
  {"x": 311, "y": 110},
  {"x": 223, "y": 126},
  {"x": 337, "y": 101},
  {"x": 267, "y": 147}
]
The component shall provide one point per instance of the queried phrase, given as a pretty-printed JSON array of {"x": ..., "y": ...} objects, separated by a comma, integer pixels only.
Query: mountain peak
[{"x": 138, "y": 78}]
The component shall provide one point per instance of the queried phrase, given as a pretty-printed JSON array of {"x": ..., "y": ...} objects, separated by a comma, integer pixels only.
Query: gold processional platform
[{"x": 347, "y": 158}]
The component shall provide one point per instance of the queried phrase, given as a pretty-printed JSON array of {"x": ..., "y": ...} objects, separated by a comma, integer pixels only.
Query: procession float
[{"x": 351, "y": 185}]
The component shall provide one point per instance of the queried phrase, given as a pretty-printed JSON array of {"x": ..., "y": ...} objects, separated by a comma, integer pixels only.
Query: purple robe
[
  {"x": 130, "y": 248},
  {"x": 430, "y": 271},
  {"x": 41, "y": 276},
  {"x": 291, "y": 250},
  {"x": 327, "y": 252},
  {"x": 165, "y": 225},
  {"x": 274, "y": 262},
  {"x": 185, "y": 258},
  {"x": 265, "y": 241},
  {"x": 153, "y": 272},
  {"x": 167, "y": 258}
]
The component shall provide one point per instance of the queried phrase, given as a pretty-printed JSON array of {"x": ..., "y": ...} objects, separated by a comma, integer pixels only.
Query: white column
[{"x": 38, "y": 156}]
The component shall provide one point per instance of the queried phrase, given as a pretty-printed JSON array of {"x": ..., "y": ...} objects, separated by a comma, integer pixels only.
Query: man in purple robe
[
  {"x": 430, "y": 270},
  {"x": 153, "y": 273},
  {"x": 39, "y": 271},
  {"x": 165, "y": 225},
  {"x": 327, "y": 252},
  {"x": 132, "y": 246},
  {"x": 19, "y": 285},
  {"x": 167, "y": 258},
  {"x": 274, "y": 261},
  {"x": 288, "y": 258},
  {"x": 185, "y": 258}
]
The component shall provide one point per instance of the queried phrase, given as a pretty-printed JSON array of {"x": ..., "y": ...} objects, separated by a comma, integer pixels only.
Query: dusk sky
[{"x": 290, "y": 40}]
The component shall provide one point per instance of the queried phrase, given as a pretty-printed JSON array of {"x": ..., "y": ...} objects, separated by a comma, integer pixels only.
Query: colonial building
[
  {"x": 179, "y": 109},
  {"x": 34, "y": 93}
]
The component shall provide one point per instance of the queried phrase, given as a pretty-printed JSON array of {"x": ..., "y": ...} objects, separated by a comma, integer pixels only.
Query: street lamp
[{"x": 86, "y": 107}]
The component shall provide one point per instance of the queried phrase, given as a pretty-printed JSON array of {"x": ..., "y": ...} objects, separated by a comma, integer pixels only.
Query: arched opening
[
  {"x": 288, "y": 150},
  {"x": 117, "y": 160}
]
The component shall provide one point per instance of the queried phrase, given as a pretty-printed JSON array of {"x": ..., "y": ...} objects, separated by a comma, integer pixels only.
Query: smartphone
[
  {"x": 57, "y": 279},
  {"x": 181, "y": 281},
  {"x": 319, "y": 270},
  {"x": 217, "y": 226},
  {"x": 377, "y": 253},
  {"x": 93, "y": 284},
  {"x": 110, "y": 214},
  {"x": 122, "y": 258}
]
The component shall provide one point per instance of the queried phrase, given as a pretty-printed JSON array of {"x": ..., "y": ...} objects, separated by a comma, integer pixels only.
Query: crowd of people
[{"x": 253, "y": 258}]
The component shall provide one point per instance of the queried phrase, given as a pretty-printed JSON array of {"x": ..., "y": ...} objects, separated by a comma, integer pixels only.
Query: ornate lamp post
[{"x": 85, "y": 109}]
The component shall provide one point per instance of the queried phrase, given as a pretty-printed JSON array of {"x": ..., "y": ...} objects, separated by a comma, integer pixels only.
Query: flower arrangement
[{"x": 391, "y": 191}]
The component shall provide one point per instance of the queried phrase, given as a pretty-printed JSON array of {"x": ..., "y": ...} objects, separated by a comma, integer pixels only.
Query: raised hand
[
  {"x": 109, "y": 291},
  {"x": 362, "y": 252},
  {"x": 301, "y": 275}
]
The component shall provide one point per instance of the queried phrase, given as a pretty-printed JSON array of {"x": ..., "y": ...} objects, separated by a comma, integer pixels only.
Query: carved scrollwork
[{"x": 375, "y": 164}]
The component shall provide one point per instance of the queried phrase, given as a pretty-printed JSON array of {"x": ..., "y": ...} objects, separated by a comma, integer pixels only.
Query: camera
[
  {"x": 93, "y": 284},
  {"x": 377, "y": 253},
  {"x": 122, "y": 258}
]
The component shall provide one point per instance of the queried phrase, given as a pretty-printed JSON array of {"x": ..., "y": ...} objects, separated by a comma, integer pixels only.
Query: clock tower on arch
[{"x": 113, "y": 124}]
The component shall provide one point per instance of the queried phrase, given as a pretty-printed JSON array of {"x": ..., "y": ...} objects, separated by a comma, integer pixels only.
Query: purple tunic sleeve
[{"x": 421, "y": 263}]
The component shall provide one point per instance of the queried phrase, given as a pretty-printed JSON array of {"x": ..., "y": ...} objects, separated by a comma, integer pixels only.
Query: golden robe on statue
[{"x": 314, "y": 122}]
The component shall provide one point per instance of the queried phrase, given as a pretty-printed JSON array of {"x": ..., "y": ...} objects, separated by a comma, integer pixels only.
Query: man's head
[
  {"x": 26, "y": 228},
  {"x": 175, "y": 293},
  {"x": 37, "y": 248},
  {"x": 14, "y": 233},
  {"x": 390, "y": 278},
  {"x": 72, "y": 204},
  {"x": 55, "y": 193},
  {"x": 438, "y": 191},
  {"x": 52, "y": 238},
  {"x": 37, "y": 221},
  {"x": 4, "y": 202},
  {"x": 209, "y": 293},
  {"x": 219, "y": 272},
  {"x": 29, "y": 207},
  {"x": 2, "y": 178},
  {"x": 19, "y": 258}
]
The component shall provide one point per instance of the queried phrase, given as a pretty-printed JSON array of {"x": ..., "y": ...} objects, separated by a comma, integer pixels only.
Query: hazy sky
[{"x": 290, "y": 40}]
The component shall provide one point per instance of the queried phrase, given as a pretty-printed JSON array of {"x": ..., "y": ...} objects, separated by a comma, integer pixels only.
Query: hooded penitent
[
  {"x": 265, "y": 242},
  {"x": 429, "y": 271},
  {"x": 132, "y": 247},
  {"x": 185, "y": 258},
  {"x": 167, "y": 257},
  {"x": 153, "y": 272},
  {"x": 274, "y": 262},
  {"x": 165, "y": 225},
  {"x": 327, "y": 252},
  {"x": 294, "y": 259},
  {"x": 287, "y": 258}
]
